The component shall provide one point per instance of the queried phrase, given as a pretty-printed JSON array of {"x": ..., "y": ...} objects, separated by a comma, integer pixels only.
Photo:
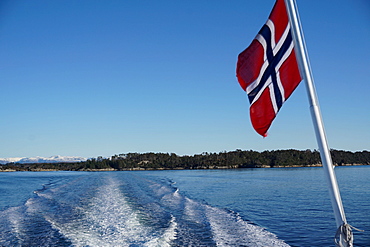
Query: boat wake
[{"x": 124, "y": 209}]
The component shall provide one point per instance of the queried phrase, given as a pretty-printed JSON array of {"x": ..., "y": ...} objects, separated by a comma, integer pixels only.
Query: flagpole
[{"x": 305, "y": 69}]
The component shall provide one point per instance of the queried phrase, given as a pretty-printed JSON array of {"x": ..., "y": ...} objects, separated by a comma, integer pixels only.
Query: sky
[{"x": 95, "y": 78}]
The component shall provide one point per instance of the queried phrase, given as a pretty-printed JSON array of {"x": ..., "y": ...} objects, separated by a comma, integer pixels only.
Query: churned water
[{"x": 243, "y": 207}]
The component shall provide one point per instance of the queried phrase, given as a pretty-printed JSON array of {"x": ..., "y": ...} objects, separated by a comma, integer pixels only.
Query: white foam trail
[
  {"x": 11, "y": 226},
  {"x": 109, "y": 220},
  {"x": 106, "y": 221},
  {"x": 124, "y": 211},
  {"x": 230, "y": 230},
  {"x": 172, "y": 200},
  {"x": 168, "y": 236},
  {"x": 192, "y": 211}
]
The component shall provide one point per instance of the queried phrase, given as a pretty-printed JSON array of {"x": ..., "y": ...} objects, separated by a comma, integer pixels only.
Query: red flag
[{"x": 267, "y": 70}]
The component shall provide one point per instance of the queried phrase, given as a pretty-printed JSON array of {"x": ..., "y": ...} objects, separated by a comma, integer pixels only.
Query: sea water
[{"x": 241, "y": 207}]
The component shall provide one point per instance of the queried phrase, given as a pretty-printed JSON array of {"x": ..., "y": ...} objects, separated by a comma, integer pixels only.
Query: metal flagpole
[{"x": 344, "y": 230}]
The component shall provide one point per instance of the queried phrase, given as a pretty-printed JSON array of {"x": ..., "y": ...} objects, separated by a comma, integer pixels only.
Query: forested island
[{"x": 223, "y": 160}]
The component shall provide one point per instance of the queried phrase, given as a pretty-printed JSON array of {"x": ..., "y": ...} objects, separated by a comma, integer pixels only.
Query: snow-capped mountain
[{"x": 37, "y": 159}]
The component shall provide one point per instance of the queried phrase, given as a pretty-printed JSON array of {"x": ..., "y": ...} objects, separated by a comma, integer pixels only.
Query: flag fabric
[{"x": 267, "y": 70}]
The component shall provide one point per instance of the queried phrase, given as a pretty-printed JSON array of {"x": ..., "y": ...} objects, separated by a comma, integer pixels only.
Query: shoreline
[
  {"x": 223, "y": 160},
  {"x": 163, "y": 168}
]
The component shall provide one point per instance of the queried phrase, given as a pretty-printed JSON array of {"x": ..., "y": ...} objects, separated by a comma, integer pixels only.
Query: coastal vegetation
[{"x": 223, "y": 160}]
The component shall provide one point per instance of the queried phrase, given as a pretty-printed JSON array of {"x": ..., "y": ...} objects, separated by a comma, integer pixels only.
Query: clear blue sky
[{"x": 90, "y": 77}]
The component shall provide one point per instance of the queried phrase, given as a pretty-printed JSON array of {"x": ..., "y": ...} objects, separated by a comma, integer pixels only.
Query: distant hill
[{"x": 37, "y": 159}]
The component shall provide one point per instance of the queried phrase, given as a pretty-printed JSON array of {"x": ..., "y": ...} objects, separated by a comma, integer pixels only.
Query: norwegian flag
[{"x": 267, "y": 70}]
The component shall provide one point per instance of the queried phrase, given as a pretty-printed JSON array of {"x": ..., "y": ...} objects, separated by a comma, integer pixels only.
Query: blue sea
[{"x": 239, "y": 207}]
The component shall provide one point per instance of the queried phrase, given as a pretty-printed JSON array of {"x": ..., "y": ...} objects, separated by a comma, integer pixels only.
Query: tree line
[{"x": 223, "y": 160}]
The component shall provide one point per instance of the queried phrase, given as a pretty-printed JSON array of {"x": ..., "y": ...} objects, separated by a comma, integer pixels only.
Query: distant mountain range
[{"x": 37, "y": 159}]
